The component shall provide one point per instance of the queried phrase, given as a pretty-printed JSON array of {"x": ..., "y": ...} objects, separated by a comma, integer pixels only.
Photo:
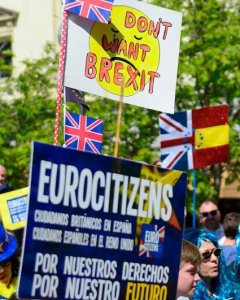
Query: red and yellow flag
[{"x": 195, "y": 138}]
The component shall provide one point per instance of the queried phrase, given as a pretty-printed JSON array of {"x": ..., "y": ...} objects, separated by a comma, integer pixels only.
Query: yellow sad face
[{"x": 125, "y": 50}]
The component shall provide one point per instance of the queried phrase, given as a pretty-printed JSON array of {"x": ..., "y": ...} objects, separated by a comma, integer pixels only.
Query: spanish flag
[
  {"x": 195, "y": 138},
  {"x": 211, "y": 135}
]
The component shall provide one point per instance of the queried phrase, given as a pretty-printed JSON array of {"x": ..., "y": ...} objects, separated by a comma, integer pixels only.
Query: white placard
[{"x": 140, "y": 46}]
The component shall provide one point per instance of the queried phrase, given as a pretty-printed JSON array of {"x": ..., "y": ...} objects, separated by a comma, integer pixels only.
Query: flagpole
[
  {"x": 194, "y": 198},
  {"x": 119, "y": 118},
  {"x": 61, "y": 63},
  {"x": 64, "y": 114}
]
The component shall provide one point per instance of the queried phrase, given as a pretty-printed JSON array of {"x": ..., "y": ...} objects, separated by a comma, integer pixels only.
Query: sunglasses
[
  {"x": 209, "y": 213},
  {"x": 206, "y": 256},
  {"x": 5, "y": 263}
]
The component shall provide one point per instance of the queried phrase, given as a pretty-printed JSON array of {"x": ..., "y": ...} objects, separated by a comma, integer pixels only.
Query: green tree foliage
[
  {"x": 27, "y": 113},
  {"x": 5, "y": 58},
  {"x": 138, "y": 131},
  {"x": 208, "y": 74}
]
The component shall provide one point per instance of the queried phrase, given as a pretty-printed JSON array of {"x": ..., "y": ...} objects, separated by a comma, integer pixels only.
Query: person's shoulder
[
  {"x": 221, "y": 240},
  {"x": 219, "y": 233},
  {"x": 230, "y": 254}
]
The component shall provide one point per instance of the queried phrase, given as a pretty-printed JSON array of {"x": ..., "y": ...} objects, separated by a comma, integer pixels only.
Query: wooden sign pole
[{"x": 119, "y": 119}]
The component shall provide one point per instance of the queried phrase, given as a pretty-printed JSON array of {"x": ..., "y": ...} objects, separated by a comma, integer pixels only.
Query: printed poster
[
  {"x": 138, "y": 49},
  {"x": 13, "y": 208},
  {"x": 100, "y": 227}
]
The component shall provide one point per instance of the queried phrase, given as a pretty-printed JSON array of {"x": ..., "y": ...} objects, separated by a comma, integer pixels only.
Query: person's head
[
  {"x": 231, "y": 222},
  {"x": 209, "y": 215},
  {"x": 8, "y": 246},
  {"x": 207, "y": 244},
  {"x": 188, "y": 270},
  {"x": 3, "y": 174}
]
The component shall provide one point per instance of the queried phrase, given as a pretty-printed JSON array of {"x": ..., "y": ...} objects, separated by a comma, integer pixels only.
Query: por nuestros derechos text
[{"x": 142, "y": 279}]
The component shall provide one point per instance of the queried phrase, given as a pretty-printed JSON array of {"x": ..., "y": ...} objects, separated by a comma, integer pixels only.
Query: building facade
[{"x": 26, "y": 26}]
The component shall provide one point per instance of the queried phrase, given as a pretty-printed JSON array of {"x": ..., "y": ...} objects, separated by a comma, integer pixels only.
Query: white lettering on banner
[
  {"x": 76, "y": 238},
  {"x": 86, "y": 222},
  {"x": 126, "y": 244},
  {"x": 87, "y": 288},
  {"x": 46, "y": 262},
  {"x": 151, "y": 237},
  {"x": 145, "y": 273},
  {"x": 86, "y": 189},
  {"x": 47, "y": 234},
  {"x": 89, "y": 267},
  {"x": 50, "y": 217},
  {"x": 46, "y": 284},
  {"x": 122, "y": 227},
  {"x": 112, "y": 242}
]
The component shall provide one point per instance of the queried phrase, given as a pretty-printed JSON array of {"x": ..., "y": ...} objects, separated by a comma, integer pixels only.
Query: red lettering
[
  {"x": 166, "y": 25},
  {"x": 118, "y": 77},
  {"x": 130, "y": 19},
  {"x": 123, "y": 48},
  {"x": 105, "y": 66},
  {"x": 133, "y": 50},
  {"x": 152, "y": 75},
  {"x": 90, "y": 70},
  {"x": 109, "y": 46},
  {"x": 152, "y": 30},
  {"x": 142, "y": 24},
  {"x": 132, "y": 79},
  {"x": 142, "y": 81},
  {"x": 145, "y": 49}
]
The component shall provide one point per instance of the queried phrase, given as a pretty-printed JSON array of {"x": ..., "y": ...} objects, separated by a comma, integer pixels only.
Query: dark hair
[
  {"x": 15, "y": 265},
  {"x": 230, "y": 224}
]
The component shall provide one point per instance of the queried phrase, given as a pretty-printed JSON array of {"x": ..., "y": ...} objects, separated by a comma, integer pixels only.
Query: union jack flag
[
  {"x": 144, "y": 245},
  {"x": 96, "y": 10},
  {"x": 83, "y": 133},
  {"x": 195, "y": 138}
]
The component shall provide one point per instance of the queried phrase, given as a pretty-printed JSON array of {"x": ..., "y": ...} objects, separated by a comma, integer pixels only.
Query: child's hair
[{"x": 190, "y": 254}]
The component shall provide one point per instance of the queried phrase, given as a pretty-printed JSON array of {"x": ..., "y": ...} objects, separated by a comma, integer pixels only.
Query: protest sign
[
  {"x": 139, "y": 46},
  {"x": 13, "y": 208},
  {"x": 100, "y": 227}
]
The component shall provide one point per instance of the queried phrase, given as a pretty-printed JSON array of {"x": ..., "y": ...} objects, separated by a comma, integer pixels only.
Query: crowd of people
[
  {"x": 209, "y": 264},
  {"x": 217, "y": 275}
]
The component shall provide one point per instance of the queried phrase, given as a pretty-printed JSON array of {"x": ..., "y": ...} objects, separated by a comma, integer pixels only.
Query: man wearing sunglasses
[{"x": 210, "y": 218}]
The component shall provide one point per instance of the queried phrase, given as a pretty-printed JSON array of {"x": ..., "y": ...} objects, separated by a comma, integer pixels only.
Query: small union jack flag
[
  {"x": 96, "y": 10},
  {"x": 83, "y": 133},
  {"x": 145, "y": 246}
]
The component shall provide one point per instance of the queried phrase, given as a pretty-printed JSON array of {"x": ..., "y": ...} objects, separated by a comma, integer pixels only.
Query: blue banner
[{"x": 101, "y": 228}]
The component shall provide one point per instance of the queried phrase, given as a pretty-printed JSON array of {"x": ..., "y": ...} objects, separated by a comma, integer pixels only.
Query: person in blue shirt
[
  {"x": 216, "y": 281},
  {"x": 231, "y": 222}
]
